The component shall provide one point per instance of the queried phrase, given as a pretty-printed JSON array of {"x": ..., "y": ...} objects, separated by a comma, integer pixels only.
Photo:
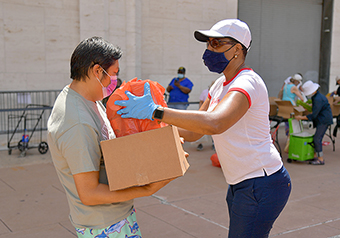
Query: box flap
[
  {"x": 296, "y": 126},
  {"x": 182, "y": 159},
  {"x": 299, "y": 108}
]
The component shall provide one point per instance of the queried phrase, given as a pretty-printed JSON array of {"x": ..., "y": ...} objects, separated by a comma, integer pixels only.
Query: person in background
[
  {"x": 337, "y": 92},
  {"x": 202, "y": 98},
  {"x": 179, "y": 89},
  {"x": 321, "y": 116},
  {"x": 235, "y": 113},
  {"x": 76, "y": 126},
  {"x": 290, "y": 79},
  {"x": 290, "y": 92},
  {"x": 336, "y": 101},
  {"x": 204, "y": 94}
]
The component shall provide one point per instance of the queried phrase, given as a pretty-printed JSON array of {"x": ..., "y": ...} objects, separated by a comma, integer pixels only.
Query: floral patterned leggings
[{"x": 127, "y": 228}]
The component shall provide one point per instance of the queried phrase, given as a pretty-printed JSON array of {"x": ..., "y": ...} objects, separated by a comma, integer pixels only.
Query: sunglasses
[{"x": 215, "y": 43}]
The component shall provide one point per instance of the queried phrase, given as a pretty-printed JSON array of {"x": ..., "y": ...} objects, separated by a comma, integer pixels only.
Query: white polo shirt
[{"x": 246, "y": 150}]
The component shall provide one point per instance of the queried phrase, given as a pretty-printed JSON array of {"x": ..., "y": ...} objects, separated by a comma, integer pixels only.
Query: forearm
[
  {"x": 102, "y": 195},
  {"x": 184, "y": 89},
  {"x": 194, "y": 121},
  {"x": 225, "y": 115},
  {"x": 297, "y": 93},
  {"x": 91, "y": 192},
  {"x": 301, "y": 118},
  {"x": 189, "y": 135}
]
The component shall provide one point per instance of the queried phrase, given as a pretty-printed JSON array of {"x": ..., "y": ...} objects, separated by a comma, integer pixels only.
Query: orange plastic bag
[
  {"x": 214, "y": 160},
  {"x": 128, "y": 126}
]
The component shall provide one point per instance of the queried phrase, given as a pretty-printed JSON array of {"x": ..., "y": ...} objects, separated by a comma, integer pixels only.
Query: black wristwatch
[{"x": 158, "y": 114}]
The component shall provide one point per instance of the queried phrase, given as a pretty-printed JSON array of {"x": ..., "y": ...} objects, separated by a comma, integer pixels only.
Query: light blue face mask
[{"x": 180, "y": 76}]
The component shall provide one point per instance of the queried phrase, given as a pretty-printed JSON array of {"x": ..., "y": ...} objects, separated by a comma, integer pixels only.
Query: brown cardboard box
[
  {"x": 335, "y": 108},
  {"x": 286, "y": 109},
  {"x": 273, "y": 106},
  {"x": 144, "y": 158}
]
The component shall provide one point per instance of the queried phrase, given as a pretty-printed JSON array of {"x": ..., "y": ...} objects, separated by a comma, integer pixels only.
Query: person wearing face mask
[
  {"x": 235, "y": 113},
  {"x": 321, "y": 116},
  {"x": 179, "y": 89},
  {"x": 76, "y": 126}
]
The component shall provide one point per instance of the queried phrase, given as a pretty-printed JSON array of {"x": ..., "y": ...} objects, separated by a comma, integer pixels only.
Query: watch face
[{"x": 158, "y": 114}]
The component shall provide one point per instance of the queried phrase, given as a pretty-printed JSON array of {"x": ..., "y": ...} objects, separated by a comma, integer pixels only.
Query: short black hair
[{"x": 92, "y": 51}]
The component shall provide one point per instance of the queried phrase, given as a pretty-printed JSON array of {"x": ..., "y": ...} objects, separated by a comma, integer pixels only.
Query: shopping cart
[{"x": 32, "y": 112}]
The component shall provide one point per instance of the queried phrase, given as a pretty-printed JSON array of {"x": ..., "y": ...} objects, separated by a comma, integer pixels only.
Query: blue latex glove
[{"x": 137, "y": 107}]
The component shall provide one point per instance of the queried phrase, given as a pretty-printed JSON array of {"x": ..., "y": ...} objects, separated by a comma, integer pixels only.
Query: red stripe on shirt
[
  {"x": 227, "y": 82},
  {"x": 241, "y": 90}
]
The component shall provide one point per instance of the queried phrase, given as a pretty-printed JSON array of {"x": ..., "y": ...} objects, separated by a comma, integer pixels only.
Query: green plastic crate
[{"x": 300, "y": 142}]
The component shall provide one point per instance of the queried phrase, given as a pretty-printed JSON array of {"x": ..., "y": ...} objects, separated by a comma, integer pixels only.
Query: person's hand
[
  {"x": 185, "y": 153},
  {"x": 137, "y": 107},
  {"x": 177, "y": 84},
  {"x": 298, "y": 117},
  {"x": 154, "y": 187}
]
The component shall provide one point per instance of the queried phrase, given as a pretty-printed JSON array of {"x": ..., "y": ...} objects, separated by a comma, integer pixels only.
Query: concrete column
[{"x": 133, "y": 38}]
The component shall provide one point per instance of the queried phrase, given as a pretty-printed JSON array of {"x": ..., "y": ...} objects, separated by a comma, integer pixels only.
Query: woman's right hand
[{"x": 154, "y": 187}]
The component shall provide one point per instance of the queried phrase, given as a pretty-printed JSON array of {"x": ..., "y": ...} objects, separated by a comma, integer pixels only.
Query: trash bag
[
  {"x": 214, "y": 160},
  {"x": 128, "y": 126}
]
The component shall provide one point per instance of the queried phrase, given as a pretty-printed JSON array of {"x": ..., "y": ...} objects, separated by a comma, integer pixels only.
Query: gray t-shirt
[{"x": 75, "y": 128}]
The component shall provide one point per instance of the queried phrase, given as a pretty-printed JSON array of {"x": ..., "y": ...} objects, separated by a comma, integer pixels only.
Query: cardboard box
[
  {"x": 143, "y": 158},
  {"x": 273, "y": 106},
  {"x": 334, "y": 107},
  {"x": 286, "y": 108}
]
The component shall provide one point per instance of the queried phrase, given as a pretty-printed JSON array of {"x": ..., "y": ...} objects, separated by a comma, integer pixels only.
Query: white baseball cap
[
  {"x": 233, "y": 28},
  {"x": 297, "y": 77},
  {"x": 309, "y": 87}
]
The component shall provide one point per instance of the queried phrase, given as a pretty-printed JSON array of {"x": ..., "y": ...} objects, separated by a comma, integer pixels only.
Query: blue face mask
[
  {"x": 216, "y": 61},
  {"x": 180, "y": 76}
]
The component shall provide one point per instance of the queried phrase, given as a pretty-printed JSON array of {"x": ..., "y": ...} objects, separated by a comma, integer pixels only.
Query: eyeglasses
[
  {"x": 114, "y": 77},
  {"x": 215, "y": 43}
]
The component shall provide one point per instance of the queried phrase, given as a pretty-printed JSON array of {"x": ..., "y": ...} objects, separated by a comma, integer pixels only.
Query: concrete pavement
[{"x": 33, "y": 203}]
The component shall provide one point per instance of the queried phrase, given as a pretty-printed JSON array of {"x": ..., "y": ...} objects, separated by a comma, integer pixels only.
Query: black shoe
[{"x": 200, "y": 147}]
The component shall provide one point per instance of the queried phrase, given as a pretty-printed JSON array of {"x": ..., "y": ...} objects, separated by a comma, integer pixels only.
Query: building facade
[{"x": 37, "y": 38}]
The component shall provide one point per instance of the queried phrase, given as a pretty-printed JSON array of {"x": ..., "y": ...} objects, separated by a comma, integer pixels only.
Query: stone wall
[
  {"x": 36, "y": 41},
  {"x": 37, "y": 38}
]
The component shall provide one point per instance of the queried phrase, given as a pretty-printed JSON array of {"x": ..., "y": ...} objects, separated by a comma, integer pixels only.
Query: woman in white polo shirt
[{"x": 236, "y": 115}]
